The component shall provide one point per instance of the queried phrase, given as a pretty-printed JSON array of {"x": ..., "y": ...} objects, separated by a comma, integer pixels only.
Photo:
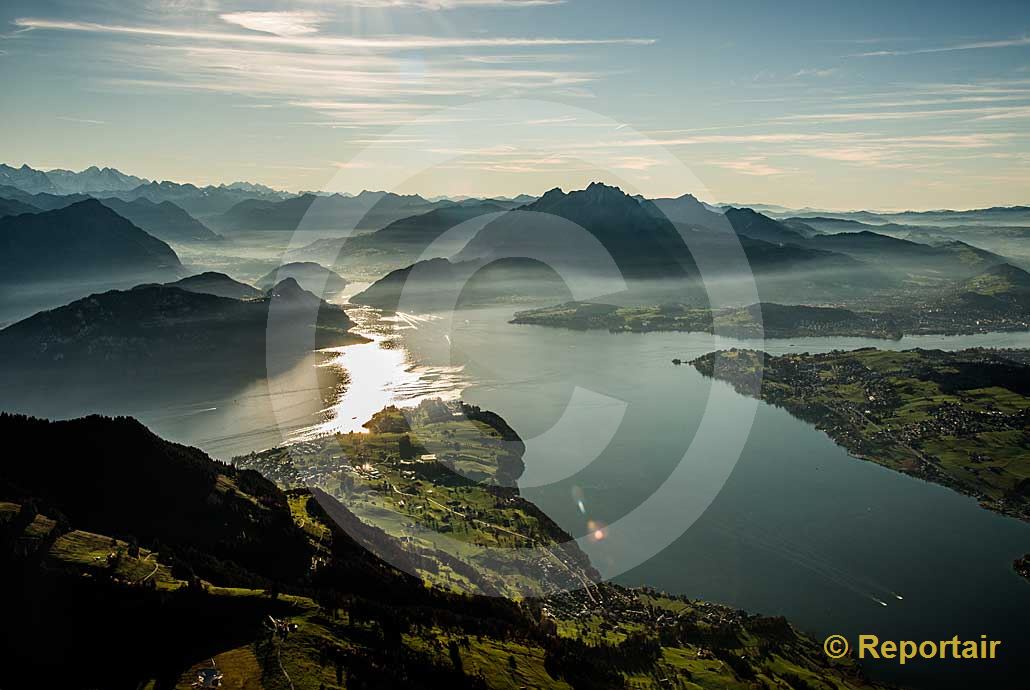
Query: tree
[
  {"x": 406, "y": 448},
  {"x": 452, "y": 649}
]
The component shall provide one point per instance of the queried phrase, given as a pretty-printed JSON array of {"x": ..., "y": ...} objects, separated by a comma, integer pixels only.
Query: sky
[{"x": 877, "y": 105}]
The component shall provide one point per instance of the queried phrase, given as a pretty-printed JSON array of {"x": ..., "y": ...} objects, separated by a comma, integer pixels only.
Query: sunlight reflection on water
[{"x": 382, "y": 373}]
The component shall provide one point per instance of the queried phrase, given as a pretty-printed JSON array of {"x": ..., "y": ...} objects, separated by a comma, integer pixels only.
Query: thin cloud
[
  {"x": 511, "y": 59},
  {"x": 754, "y": 165},
  {"x": 847, "y": 148},
  {"x": 904, "y": 152},
  {"x": 398, "y": 43},
  {"x": 446, "y": 4},
  {"x": 352, "y": 106},
  {"x": 867, "y": 40},
  {"x": 277, "y": 23},
  {"x": 81, "y": 120},
  {"x": 978, "y": 45},
  {"x": 813, "y": 72},
  {"x": 802, "y": 141},
  {"x": 893, "y": 114},
  {"x": 373, "y": 88},
  {"x": 1010, "y": 114},
  {"x": 767, "y": 138}
]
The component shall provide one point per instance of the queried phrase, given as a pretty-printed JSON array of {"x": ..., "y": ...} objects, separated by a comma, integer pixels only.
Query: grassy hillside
[
  {"x": 127, "y": 563},
  {"x": 958, "y": 419}
]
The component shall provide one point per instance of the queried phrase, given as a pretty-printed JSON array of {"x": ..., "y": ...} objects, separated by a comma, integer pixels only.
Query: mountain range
[
  {"x": 658, "y": 241},
  {"x": 365, "y": 211},
  {"x": 641, "y": 242},
  {"x": 646, "y": 240},
  {"x": 1011, "y": 241},
  {"x": 995, "y": 215},
  {"x": 163, "y": 220},
  {"x": 203, "y": 203},
  {"x": 601, "y": 228},
  {"x": 108, "y": 182},
  {"x": 947, "y": 259},
  {"x": 57, "y": 181}
]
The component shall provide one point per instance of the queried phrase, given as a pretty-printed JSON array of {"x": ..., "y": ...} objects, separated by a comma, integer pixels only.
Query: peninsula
[{"x": 959, "y": 419}]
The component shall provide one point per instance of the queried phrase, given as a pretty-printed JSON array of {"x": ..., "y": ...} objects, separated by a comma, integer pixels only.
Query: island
[
  {"x": 206, "y": 574},
  {"x": 960, "y": 419}
]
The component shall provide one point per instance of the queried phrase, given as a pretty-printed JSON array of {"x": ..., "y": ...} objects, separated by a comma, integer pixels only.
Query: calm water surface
[{"x": 799, "y": 528}]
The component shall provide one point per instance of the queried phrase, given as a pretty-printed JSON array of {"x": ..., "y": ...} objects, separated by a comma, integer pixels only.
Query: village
[
  {"x": 456, "y": 501},
  {"x": 954, "y": 418}
]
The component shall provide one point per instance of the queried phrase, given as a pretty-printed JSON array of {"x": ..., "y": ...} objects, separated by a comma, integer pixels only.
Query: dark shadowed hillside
[
  {"x": 119, "y": 540},
  {"x": 366, "y": 211},
  {"x": 688, "y": 210},
  {"x": 41, "y": 201},
  {"x": 1001, "y": 288},
  {"x": 163, "y": 220},
  {"x": 13, "y": 207},
  {"x": 401, "y": 243},
  {"x": 159, "y": 343},
  {"x": 219, "y": 284},
  {"x": 641, "y": 242},
  {"x": 311, "y": 276},
  {"x": 760, "y": 227},
  {"x": 116, "y": 477},
  {"x": 86, "y": 240},
  {"x": 441, "y": 284},
  {"x": 154, "y": 325}
]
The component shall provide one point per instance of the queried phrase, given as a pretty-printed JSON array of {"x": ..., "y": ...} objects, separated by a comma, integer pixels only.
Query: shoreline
[
  {"x": 773, "y": 335},
  {"x": 840, "y": 427},
  {"x": 763, "y": 321}
]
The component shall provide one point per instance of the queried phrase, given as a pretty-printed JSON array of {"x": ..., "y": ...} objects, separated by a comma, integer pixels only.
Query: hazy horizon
[{"x": 740, "y": 203}]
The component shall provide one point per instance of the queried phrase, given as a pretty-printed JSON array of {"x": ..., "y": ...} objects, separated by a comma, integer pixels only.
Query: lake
[{"x": 797, "y": 526}]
